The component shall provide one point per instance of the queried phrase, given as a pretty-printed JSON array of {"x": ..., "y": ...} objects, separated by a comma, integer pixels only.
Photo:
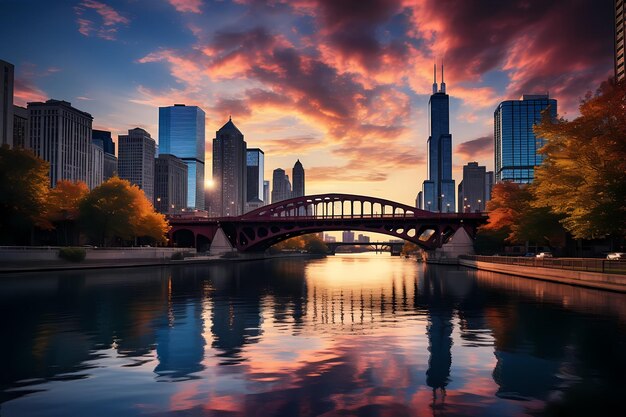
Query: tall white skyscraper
[
  {"x": 61, "y": 135},
  {"x": 135, "y": 161}
]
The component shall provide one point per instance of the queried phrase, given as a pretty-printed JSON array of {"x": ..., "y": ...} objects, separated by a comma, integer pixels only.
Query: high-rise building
[
  {"x": 266, "y": 192},
  {"x": 96, "y": 166},
  {"x": 255, "y": 165},
  {"x": 181, "y": 133},
  {"x": 170, "y": 184},
  {"x": 515, "y": 142},
  {"x": 472, "y": 188},
  {"x": 620, "y": 31},
  {"x": 488, "y": 185},
  {"x": 136, "y": 152},
  {"x": 297, "y": 174},
  {"x": 6, "y": 103},
  {"x": 20, "y": 126},
  {"x": 438, "y": 191},
  {"x": 103, "y": 139},
  {"x": 61, "y": 135},
  {"x": 363, "y": 238},
  {"x": 229, "y": 171},
  {"x": 281, "y": 187},
  {"x": 347, "y": 236}
]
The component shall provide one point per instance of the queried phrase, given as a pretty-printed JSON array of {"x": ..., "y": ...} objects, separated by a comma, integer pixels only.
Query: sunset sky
[{"x": 343, "y": 85}]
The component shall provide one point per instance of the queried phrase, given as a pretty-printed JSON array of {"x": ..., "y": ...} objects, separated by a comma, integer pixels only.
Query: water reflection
[{"x": 341, "y": 336}]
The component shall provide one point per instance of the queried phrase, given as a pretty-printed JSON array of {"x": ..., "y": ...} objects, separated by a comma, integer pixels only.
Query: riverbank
[
  {"x": 106, "y": 258},
  {"x": 597, "y": 280}
]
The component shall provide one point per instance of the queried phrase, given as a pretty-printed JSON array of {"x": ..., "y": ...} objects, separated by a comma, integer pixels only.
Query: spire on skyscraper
[
  {"x": 435, "y": 78},
  {"x": 443, "y": 84}
]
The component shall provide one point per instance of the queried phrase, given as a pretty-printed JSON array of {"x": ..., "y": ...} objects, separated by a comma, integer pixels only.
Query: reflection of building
[
  {"x": 170, "y": 184},
  {"x": 61, "y": 135},
  {"x": 473, "y": 188},
  {"x": 6, "y": 103},
  {"x": 181, "y": 133},
  {"x": 281, "y": 187},
  {"x": 229, "y": 171},
  {"x": 136, "y": 159},
  {"x": 515, "y": 142},
  {"x": 439, "y": 188}
]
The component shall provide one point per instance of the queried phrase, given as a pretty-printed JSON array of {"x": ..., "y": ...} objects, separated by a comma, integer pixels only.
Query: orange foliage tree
[{"x": 63, "y": 205}]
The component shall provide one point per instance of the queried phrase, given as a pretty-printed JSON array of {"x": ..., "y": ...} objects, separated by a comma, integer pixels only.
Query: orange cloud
[{"x": 109, "y": 16}]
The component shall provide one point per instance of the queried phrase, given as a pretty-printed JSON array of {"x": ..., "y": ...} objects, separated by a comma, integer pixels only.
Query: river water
[{"x": 350, "y": 335}]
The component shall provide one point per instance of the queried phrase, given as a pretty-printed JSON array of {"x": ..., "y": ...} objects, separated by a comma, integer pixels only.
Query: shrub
[
  {"x": 72, "y": 254},
  {"x": 178, "y": 256}
]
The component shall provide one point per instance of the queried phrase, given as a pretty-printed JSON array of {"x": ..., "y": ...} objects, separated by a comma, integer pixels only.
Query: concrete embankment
[
  {"x": 31, "y": 259},
  {"x": 612, "y": 282}
]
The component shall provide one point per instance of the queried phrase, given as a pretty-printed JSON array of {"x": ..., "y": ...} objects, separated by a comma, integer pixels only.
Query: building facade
[
  {"x": 61, "y": 135},
  {"x": 347, "y": 236},
  {"x": 266, "y": 192},
  {"x": 620, "y": 30},
  {"x": 472, "y": 196},
  {"x": 96, "y": 166},
  {"x": 255, "y": 166},
  {"x": 297, "y": 175},
  {"x": 170, "y": 184},
  {"x": 136, "y": 152},
  {"x": 438, "y": 191},
  {"x": 281, "y": 186},
  {"x": 181, "y": 133},
  {"x": 6, "y": 103},
  {"x": 229, "y": 171},
  {"x": 515, "y": 143},
  {"x": 20, "y": 127},
  {"x": 103, "y": 139}
]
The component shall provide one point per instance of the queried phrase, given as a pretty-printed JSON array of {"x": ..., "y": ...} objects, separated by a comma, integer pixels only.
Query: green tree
[
  {"x": 583, "y": 177},
  {"x": 24, "y": 186},
  {"x": 117, "y": 209},
  {"x": 63, "y": 206}
]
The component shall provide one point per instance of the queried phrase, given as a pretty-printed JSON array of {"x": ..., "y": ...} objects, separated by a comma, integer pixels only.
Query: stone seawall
[{"x": 612, "y": 282}]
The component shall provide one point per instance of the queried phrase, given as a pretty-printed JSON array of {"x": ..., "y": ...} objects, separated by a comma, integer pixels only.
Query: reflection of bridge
[
  {"x": 394, "y": 247},
  {"x": 261, "y": 228}
]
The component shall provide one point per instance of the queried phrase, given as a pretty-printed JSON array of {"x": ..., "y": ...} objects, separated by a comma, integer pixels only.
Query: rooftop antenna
[
  {"x": 443, "y": 84},
  {"x": 434, "y": 78}
]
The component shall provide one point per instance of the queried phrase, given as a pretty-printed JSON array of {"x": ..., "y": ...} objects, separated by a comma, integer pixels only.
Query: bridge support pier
[
  {"x": 220, "y": 243},
  {"x": 459, "y": 244}
]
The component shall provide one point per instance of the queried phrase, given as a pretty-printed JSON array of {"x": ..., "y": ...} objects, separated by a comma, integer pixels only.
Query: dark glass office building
[
  {"x": 181, "y": 133},
  {"x": 515, "y": 142},
  {"x": 438, "y": 191},
  {"x": 255, "y": 166}
]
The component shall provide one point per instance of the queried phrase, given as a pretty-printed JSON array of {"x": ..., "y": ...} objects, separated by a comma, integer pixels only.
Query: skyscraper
[
  {"x": 103, "y": 139},
  {"x": 266, "y": 192},
  {"x": 61, "y": 135},
  {"x": 181, "y": 133},
  {"x": 96, "y": 166},
  {"x": 472, "y": 188},
  {"x": 170, "y": 184},
  {"x": 229, "y": 171},
  {"x": 255, "y": 164},
  {"x": 6, "y": 103},
  {"x": 136, "y": 159},
  {"x": 281, "y": 187},
  {"x": 20, "y": 126},
  {"x": 515, "y": 142},
  {"x": 620, "y": 31},
  {"x": 438, "y": 191},
  {"x": 297, "y": 174}
]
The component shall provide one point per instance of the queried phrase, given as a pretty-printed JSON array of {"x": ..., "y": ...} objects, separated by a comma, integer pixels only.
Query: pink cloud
[
  {"x": 187, "y": 6},
  {"x": 476, "y": 148},
  {"x": 25, "y": 91},
  {"x": 110, "y": 18}
]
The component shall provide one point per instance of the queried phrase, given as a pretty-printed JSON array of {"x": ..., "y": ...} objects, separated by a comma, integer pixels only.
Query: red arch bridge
[{"x": 259, "y": 229}]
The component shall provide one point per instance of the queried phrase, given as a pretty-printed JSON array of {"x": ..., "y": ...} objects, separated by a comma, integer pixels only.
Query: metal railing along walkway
[{"x": 573, "y": 264}]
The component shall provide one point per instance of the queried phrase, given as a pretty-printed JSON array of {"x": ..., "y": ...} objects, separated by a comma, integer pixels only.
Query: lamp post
[
  {"x": 479, "y": 206},
  {"x": 429, "y": 206},
  {"x": 448, "y": 205},
  {"x": 465, "y": 204},
  {"x": 441, "y": 203}
]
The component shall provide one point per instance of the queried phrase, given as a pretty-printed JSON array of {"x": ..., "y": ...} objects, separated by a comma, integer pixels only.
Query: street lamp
[
  {"x": 441, "y": 203},
  {"x": 448, "y": 207},
  {"x": 464, "y": 204},
  {"x": 479, "y": 207},
  {"x": 429, "y": 206}
]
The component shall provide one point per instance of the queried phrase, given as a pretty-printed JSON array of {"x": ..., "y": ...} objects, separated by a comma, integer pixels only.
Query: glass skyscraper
[
  {"x": 438, "y": 191},
  {"x": 181, "y": 133},
  {"x": 515, "y": 142},
  {"x": 255, "y": 168}
]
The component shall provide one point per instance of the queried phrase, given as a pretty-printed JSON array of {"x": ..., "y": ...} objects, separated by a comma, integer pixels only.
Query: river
[{"x": 349, "y": 335}]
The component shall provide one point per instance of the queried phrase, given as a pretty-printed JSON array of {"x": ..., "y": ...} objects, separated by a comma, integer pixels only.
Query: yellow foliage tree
[{"x": 63, "y": 205}]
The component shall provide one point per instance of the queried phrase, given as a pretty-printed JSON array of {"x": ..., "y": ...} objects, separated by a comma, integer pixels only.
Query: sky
[{"x": 342, "y": 85}]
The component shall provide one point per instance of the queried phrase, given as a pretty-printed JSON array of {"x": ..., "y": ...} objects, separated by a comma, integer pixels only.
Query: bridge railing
[{"x": 573, "y": 264}]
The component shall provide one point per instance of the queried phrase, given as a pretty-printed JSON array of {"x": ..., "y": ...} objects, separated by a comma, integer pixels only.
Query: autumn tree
[
  {"x": 310, "y": 243},
  {"x": 512, "y": 213},
  {"x": 63, "y": 206},
  {"x": 117, "y": 209},
  {"x": 583, "y": 177},
  {"x": 24, "y": 185}
]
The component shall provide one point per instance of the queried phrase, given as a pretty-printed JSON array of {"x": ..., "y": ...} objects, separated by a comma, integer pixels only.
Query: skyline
[{"x": 333, "y": 85}]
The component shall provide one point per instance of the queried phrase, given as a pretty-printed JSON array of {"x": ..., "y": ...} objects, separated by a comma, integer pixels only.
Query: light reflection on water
[{"x": 348, "y": 335}]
